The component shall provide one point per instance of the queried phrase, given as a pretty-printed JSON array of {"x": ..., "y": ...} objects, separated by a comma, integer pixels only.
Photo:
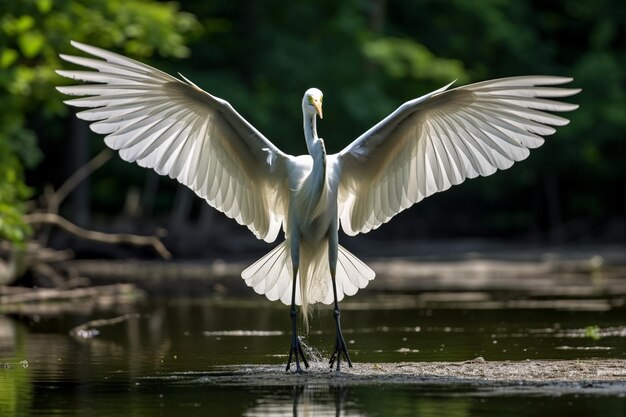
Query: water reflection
[
  {"x": 162, "y": 359},
  {"x": 15, "y": 378},
  {"x": 323, "y": 401},
  {"x": 7, "y": 335}
]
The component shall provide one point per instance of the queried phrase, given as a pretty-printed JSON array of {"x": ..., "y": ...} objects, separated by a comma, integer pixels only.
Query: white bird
[{"x": 425, "y": 146}]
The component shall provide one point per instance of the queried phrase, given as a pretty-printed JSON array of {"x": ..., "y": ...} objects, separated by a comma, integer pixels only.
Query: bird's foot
[
  {"x": 296, "y": 353},
  {"x": 340, "y": 348}
]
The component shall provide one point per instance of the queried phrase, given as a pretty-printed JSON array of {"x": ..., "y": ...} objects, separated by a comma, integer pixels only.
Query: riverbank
[{"x": 554, "y": 377}]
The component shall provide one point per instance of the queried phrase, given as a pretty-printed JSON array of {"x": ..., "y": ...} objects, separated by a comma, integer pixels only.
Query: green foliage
[
  {"x": 262, "y": 59},
  {"x": 404, "y": 58},
  {"x": 32, "y": 33},
  {"x": 12, "y": 194},
  {"x": 367, "y": 60}
]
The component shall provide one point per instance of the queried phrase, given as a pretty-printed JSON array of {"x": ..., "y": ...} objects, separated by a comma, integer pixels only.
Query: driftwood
[
  {"x": 41, "y": 260},
  {"x": 16, "y": 295},
  {"x": 53, "y": 302}
]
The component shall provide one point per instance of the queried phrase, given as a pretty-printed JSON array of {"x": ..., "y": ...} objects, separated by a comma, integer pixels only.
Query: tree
[{"x": 32, "y": 33}]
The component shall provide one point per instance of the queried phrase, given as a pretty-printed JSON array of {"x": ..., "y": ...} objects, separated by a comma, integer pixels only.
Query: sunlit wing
[
  {"x": 433, "y": 142},
  {"x": 179, "y": 130}
]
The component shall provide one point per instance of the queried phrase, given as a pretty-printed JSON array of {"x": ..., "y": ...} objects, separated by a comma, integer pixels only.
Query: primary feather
[
  {"x": 440, "y": 139},
  {"x": 179, "y": 130}
]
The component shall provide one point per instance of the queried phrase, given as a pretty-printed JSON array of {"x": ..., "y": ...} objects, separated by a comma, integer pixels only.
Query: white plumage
[
  {"x": 440, "y": 139},
  {"x": 427, "y": 145},
  {"x": 179, "y": 130}
]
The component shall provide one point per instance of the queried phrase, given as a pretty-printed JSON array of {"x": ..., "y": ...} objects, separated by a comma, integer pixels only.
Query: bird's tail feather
[{"x": 272, "y": 276}]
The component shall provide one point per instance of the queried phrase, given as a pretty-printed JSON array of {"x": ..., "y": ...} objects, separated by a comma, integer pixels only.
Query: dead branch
[
  {"x": 6, "y": 290},
  {"x": 52, "y": 199},
  {"x": 48, "y": 271},
  {"x": 55, "y": 198},
  {"x": 111, "y": 238},
  {"x": 36, "y": 253}
]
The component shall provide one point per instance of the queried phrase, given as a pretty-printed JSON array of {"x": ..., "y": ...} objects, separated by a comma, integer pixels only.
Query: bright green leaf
[
  {"x": 24, "y": 23},
  {"x": 31, "y": 43},
  {"x": 44, "y": 6},
  {"x": 7, "y": 57}
]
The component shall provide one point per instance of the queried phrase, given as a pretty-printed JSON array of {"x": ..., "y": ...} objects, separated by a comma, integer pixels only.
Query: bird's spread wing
[
  {"x": 179, "y": 130},
  {"x": 438, "y": 140}
]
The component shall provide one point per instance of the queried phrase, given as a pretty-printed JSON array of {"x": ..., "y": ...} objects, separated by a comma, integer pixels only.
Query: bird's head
[{"x": 312, "y": 102}]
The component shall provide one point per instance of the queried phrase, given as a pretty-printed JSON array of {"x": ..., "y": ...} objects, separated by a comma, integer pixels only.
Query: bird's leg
[
  {"x": 295, "y": 352},
  {"x": 340, "y": 344}
]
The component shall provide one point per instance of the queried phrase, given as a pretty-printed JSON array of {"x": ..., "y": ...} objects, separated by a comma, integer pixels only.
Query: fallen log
[{"x": 10, "y": 295}]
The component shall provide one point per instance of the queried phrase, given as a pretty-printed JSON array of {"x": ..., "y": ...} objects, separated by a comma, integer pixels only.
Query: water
[{"x": 176, "y": 356}]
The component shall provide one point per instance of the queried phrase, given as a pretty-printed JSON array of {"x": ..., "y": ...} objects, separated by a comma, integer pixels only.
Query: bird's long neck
[
  {"x": 314, "y": 144},
  {"x": 313, "y": 186},
  {"x": 310, "y": 130}
]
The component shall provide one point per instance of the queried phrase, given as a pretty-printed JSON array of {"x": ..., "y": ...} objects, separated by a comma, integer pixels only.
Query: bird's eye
[{"x": 311, "y": 100}]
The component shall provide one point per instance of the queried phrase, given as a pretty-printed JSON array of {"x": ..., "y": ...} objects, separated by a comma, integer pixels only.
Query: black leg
[
  {"x": 295, "y": 352},
  {"x": 340, "y": 344}
]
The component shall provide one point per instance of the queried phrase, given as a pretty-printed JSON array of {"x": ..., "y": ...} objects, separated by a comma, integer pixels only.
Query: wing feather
[
  {"x": 179, "y": 130},
  {"x": 433, "y": 142}
]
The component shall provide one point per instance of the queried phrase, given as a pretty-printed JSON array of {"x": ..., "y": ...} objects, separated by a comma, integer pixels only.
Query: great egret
[{"x": 427, "y": 145}]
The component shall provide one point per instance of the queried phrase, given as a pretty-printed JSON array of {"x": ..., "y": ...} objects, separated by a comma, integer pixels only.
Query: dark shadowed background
[{"x": 368, "y": 57}]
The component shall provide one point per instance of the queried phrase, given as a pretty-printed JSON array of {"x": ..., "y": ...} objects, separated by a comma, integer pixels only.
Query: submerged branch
[{"x": 89, "y": 329}]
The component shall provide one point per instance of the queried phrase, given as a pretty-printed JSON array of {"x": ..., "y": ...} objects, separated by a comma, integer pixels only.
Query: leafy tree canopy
[{"x": 32, "y": 33}]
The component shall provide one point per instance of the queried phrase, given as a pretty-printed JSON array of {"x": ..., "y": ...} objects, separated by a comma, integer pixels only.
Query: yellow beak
[{"x": 318, "y": 108}]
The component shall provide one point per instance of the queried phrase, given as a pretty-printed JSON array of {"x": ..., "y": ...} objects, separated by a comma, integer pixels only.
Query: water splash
[{"x": 316, "y": 358}]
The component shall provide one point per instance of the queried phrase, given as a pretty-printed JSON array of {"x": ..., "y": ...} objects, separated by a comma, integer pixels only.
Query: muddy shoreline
[{"x": 603, "y": 377}]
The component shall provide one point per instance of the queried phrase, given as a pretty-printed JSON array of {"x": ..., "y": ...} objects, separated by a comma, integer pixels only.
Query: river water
[{"x": 165, "y": 356}]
